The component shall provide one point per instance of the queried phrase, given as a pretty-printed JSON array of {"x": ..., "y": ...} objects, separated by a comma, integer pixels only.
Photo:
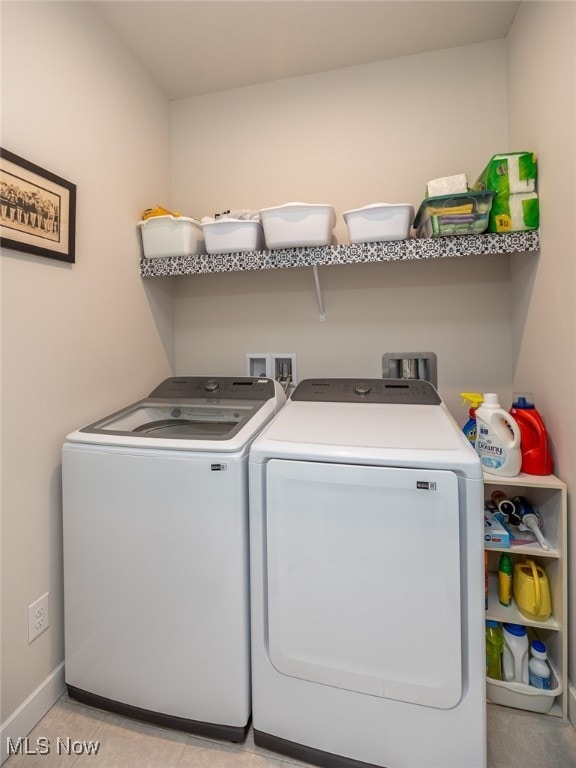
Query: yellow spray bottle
[{"x": 475, "y": 399}]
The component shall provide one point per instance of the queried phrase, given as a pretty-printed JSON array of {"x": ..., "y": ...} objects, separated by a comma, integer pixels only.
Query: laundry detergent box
[
  {"x": 495, "y": 532},
  {"x": 512, "y": 177}
]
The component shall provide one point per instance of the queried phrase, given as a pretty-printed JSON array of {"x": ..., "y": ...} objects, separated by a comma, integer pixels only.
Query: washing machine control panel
[
  {"x": 223, "y": 388},
  {"x": 397, "y": 391}
]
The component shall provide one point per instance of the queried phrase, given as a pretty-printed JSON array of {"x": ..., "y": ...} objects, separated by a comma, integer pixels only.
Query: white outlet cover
[{"x": 38, "y": 616}]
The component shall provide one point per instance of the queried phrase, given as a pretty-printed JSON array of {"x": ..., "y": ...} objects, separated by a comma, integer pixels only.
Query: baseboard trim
[
  {"x": 572, "y": 704},
  {"x": 31, "y": 711}
]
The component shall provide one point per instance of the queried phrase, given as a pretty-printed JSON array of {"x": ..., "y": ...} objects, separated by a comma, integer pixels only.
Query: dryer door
[{"x": 363, "y": 579}]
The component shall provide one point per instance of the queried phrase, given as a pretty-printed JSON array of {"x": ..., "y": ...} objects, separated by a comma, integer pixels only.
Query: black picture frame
[{"x": 37, "y": 210}]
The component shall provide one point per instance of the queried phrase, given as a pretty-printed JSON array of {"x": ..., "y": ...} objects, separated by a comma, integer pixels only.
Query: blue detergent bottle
[{"x": 475, "y": 399}]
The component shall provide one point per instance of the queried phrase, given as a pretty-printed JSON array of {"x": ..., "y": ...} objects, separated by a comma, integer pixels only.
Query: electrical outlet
[
  {"x": 38, "y": 616},
  {"x": 284, "y": 367}
]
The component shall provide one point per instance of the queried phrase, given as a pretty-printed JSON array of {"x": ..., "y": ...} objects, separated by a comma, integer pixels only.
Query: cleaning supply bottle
[
  {"x": 538, "y": 669},
  {"x": 475, "y": 399},
  {"x": 494, "y": 648},
  {"x": 505, "y": 580},
  {"x": 497, "y": 438},
  {"x": 535, "y": 447},
  {"x": 515, "y": 654}
]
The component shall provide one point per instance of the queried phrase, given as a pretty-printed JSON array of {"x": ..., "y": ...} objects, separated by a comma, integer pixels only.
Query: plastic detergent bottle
[
  {"x": 515, "y": 654},
  {"x": 534, "y": 446},
  {"x": 505, "y": 580},
  {"x": 494, "y": 648},
  {"x": 538, "y": 669},
  {"x": 497, "y": 438},
  {"x": 475, "y": 399}
]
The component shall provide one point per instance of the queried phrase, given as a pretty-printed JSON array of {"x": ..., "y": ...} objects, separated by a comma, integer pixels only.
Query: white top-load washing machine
[
  {"x": 367, "y": 583},
  {"x": 156, "y": 585}
]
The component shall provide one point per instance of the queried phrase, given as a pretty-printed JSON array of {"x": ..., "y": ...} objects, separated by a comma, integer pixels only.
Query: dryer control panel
[{"x": 394, "y": 391}]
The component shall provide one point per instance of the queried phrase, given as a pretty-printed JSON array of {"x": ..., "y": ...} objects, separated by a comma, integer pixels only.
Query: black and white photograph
[{"x": 37, "y": 209}]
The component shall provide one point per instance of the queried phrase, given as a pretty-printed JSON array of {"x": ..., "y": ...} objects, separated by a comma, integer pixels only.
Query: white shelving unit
[{"x": 549, "y": 495}]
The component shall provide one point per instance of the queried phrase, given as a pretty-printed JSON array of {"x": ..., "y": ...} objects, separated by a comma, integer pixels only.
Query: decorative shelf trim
[{"x": 357, "y": 253}]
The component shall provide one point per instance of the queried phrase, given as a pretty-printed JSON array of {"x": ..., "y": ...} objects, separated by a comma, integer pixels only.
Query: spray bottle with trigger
[{"x": 475, "y": 399}]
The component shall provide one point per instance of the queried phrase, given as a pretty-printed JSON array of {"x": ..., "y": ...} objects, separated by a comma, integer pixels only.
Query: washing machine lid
[
  {"x": 181, "y": 419},
  {"x": 190, "y": 413},
  {"x": 389, "y": 422}
]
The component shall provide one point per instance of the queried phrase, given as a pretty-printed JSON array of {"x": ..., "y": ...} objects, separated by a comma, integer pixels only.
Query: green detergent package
[{"x": 512, "y": 177}]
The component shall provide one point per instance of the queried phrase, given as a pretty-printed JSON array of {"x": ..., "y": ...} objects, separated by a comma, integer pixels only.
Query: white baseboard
[{"x": 31, "y": 711}]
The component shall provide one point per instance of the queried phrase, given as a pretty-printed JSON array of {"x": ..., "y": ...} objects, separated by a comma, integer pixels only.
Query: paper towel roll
[
  {"x": 517, "y": 185},
  {"x": 523, "y": 211}
]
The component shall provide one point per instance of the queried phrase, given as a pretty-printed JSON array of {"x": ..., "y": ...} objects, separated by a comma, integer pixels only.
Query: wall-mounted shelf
[
  {"x": 357, "y": 253},
  {"x": 413, "y": 249}
]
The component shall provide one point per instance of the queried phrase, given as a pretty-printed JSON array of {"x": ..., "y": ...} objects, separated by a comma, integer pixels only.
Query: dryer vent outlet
[{"x": 410, "y": 365}]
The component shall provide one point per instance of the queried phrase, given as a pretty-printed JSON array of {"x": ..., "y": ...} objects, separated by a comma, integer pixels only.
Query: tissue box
[
  {"x": 298, "y": 225},
  {"x": 513, "y": 178},
  {"x": 164, "y": 236},
  {"x": 495, "y": 532},
  {"x": 233, "y": 236},
  {"x": 460, "y": 214},
  {"x": 379, "y": 222},
  {"x": 447, "y": 185}
]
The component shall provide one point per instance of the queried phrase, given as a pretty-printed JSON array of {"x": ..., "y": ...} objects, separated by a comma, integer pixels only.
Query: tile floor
[{"x": 516, "y": 740}]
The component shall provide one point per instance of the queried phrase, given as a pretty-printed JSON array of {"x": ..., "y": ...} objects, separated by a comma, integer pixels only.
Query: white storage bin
[
  {"x": 298, "y": 225},
  {"x": 523, "y": 696},
  {"x": 164, "y": 236},
  {"x": 233, "y": 236},
  {"x": 378, "y": 222}
]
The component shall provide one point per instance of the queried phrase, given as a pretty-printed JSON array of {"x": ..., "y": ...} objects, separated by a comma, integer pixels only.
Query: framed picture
[{"x": 37, "y": 210}]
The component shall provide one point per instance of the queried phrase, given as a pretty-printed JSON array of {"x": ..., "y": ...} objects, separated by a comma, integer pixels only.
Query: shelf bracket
[{"x": 321, "y": 313}]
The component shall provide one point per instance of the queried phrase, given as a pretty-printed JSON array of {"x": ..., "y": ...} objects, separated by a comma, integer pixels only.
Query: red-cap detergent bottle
[{"x": 534, "y": 445}]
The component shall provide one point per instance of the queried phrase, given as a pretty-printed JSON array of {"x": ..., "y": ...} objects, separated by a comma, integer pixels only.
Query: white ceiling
[{"x": 193, "y": 47}]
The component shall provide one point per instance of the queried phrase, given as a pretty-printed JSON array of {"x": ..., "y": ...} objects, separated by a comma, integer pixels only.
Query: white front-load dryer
[
  {"x": 367, "y": 586},
  {"x": 156, "y": 585}
]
